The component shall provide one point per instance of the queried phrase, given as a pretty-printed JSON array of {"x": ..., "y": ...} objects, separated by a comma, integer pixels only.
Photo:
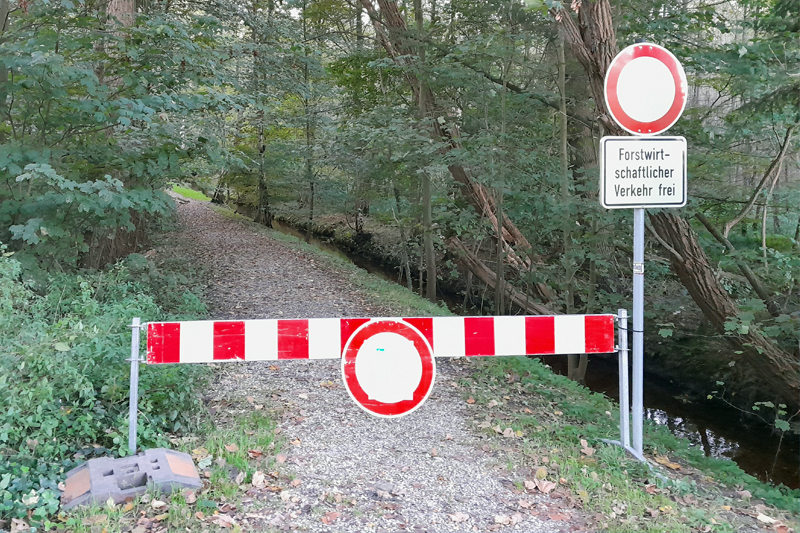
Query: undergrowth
[
  {"x": 64, "y": 375},
  {"x": 552, "y": 415}
]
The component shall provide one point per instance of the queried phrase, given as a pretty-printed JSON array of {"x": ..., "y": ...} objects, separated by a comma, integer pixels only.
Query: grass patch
[
  {"x": 226, "y": 458},
  {"x": 190, "y": 193},
  {"x": 552, "y": 418}
]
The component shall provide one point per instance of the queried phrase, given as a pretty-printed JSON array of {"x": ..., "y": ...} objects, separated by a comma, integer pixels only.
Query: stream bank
[{"x": 719, "y": 429}]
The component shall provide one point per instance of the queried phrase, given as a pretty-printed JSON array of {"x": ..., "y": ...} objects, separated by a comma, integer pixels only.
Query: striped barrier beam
[{"x": 325, "y": 338}]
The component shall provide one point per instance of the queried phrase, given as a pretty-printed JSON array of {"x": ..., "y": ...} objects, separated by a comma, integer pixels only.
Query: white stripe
[
  {"x": 324, "y": 338},
  {"x": 570, "y": 334},
  {"x": 509, "y": 335},
  {"x": 197, "y": 341},
  {"x": 448, "y": 336},
  {"x": 261, "y": 340}
]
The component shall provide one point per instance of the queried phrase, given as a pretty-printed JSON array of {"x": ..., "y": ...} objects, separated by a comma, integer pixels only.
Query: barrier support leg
[
  {"x": 624, "y": 389},
  {"x": 134, "y": 392}
]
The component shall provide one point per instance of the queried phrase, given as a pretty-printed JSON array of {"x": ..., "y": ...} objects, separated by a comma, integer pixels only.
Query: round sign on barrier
[
  {"x": 645, "y": 89},
  {"x": 388, "y": 367}
]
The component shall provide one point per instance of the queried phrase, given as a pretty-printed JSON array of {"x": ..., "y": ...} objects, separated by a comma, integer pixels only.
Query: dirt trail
[{"x": 428, "y": 471}]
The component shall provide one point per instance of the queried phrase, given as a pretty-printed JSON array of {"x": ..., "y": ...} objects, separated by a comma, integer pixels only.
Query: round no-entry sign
[
  {"x": 645, "y": 89},
  {"x": 388, "y": 367}
]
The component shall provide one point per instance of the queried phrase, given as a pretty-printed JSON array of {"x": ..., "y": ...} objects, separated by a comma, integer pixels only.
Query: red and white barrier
[{"x": 325, "y": 338}]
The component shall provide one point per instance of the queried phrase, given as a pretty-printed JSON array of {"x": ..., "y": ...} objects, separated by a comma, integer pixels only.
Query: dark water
[{"x": 715, "y": 428}]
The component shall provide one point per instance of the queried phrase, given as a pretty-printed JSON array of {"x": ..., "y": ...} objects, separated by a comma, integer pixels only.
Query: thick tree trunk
[
  {"x": 392, "y": 33},
  {"x": 592, "y": 39},
  {"x": 776, "y": 370},
  {"x": 489, "y": 277}
]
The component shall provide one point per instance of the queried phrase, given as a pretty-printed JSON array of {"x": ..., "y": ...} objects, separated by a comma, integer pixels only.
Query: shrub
[{"x": 64, "y": 377}]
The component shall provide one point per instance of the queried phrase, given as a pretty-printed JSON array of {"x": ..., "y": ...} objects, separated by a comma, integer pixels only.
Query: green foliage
[{"x": 64, "y": 376}]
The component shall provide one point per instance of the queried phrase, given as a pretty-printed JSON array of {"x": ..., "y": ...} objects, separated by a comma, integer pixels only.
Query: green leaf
[
  {"x": 665, "y": 332},
  {"x": 61, "y": 347},
  {"x": 783, "y": 425}
]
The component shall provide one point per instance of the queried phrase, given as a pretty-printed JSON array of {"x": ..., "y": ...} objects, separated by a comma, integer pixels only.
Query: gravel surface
[{"x": 429, "y": 471}]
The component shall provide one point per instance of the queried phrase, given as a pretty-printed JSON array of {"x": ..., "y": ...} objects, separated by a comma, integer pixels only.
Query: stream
[{"x": 714, "y": 427}]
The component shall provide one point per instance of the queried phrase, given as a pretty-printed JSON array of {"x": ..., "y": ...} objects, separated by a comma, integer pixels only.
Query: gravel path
[{"x": 428, "y": 471}]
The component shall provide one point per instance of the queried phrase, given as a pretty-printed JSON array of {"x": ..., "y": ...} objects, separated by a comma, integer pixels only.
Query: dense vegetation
[{"x": 462, "y": 133}]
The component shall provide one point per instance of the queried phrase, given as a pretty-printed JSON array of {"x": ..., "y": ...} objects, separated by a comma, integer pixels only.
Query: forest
[{"x": 453, "y": 141}]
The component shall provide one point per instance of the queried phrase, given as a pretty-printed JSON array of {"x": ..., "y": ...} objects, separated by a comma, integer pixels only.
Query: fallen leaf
[
  {"x": 664, "y": 460},
  {"x": 274, "y": 368},
  {"x": 557, "y": 413},
  {"x": 502, "y": 519},
  {"x": 544, "y": 486},
  {"x": 764, "y": 518},
  {"x": 295, "y": 483},
  {"x": 330, "y": 518},
  {"x": 128, "y": 507},
  {"x": 516, "y": 518},
  {"x": 541, "y": 472},
  {"x": 160, "y": 517},
  {"x": 744, "y": 494},
  {"x": 530, "y": 485},
  {"x": 157, "y": 504},
  {"x": 562, "y": 480},
  {"x": 295, "y": 442},
  {"x": 199, "y": 453},
  {"x": 254, "y": 454},
  {"x": 726, "y": 507},
  {"x": 470, "y": 400},
  {"x": 586, "y": 449},
  {"x": 250, "y": 399},
  {"x": 782, "y": 528},
  {"x": 526, "y": 410},
  {"x": 232, "y": 447},
  {"x": 557, "y": 517},
  {"x": 199, "y": 515},
  {"x": 525, "y": 504},
  {"x": 258, "y": 480},
  {"x": 459, "y": 517},
  {"x": 239, "y": 478},
  {"x": 190, "y": 496},
  {"x": 434, "y": 452},
  {"x": 651, "y": 489},
  {"x": 281, "y": 458},
  {"x": 222, "y": 520},
  {"x": 508, "y": 433},
  {"x": 492, "y": 404}
]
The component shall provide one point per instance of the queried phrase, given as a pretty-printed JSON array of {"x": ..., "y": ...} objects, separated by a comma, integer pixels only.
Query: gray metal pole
[
  {"x": 624, "y": 387},
  {"x": 638, "y": 328},
  {"x": 134, "y": 398}
]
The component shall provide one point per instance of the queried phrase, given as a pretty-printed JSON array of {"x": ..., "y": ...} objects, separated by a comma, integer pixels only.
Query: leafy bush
[{"x": 64, "y": 377}]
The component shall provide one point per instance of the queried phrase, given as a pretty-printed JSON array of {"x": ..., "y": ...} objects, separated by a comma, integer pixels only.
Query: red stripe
[
  {"x": 228, "y": 340},
  {"x": 599, "y": 334},
  {"x": 164, "y": 342},
  {"x": 424, "y": 325},
  {"x": 348, "y": 326},
  {"x": 292, "y": 339},
  {"x": 540, "y": 335},
  {"x": 479, "y": 336}
]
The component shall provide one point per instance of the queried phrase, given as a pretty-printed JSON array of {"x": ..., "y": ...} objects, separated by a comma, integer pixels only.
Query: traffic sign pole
[{"x": 638, "y": 328}]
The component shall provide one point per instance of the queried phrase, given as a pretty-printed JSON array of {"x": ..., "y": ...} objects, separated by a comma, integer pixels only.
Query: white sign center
[
  {"x": 388, "y": 368},
  {"x": 646, "y": 89},
  {"x": 642, "y": 172}
]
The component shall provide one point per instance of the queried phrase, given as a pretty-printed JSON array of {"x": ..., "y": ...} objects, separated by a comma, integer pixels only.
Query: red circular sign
[
  {"x": 388, "y": 367},
  {"x": 645, "y": 89}
]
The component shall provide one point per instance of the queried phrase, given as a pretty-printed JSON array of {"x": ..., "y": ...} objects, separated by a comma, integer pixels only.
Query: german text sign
[{"x": 642, "y": 172}]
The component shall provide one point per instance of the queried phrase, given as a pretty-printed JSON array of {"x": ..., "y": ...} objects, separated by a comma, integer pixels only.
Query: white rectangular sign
[{"x": 642, "y": 172}]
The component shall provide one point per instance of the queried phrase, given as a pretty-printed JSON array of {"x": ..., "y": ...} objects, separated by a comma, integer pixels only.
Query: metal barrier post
[
  {"x": 637, "y": 407},
  {"x": 624, "y": 392},
  {"x": 134, "y": 393}
]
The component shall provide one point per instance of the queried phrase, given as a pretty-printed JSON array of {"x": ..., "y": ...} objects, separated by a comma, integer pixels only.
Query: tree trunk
[
  {"x": 774, "y": 370},
  {"x": 592, "y": 38},
  {"x": 391, "y": 31}
]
